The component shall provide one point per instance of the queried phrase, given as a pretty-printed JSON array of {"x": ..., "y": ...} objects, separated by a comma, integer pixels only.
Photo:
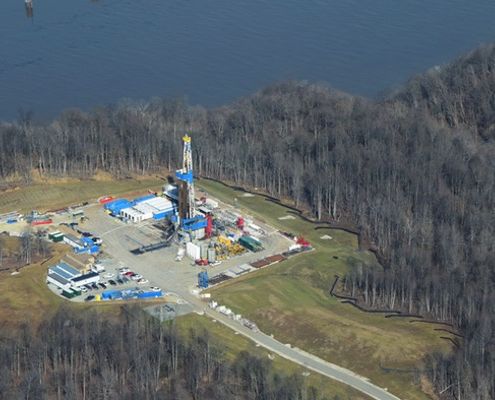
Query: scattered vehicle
[
  {"x": 89, "y": 298},
  {"x": 108, "y": 275},
  {"x": 112, "y": 282},
  {"x": 155, "y": 289},
  {"x": 143, "y": 281},
  {"x": 136, "y": 277}
]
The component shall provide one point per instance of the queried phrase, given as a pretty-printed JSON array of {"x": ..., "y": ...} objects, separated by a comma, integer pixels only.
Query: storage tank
[
  {"x": 193, "y": 251},
  {"x": 204, "y": 250},
  {"x": 212, "y": 256}
]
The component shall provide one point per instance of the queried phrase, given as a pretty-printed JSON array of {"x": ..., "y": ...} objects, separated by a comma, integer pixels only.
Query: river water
[{"x": 82, "y": 53}]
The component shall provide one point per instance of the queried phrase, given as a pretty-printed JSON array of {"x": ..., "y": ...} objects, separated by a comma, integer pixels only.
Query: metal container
[
  {"x": 212, "y": 256},
  {"x": 204, "y": 250}
]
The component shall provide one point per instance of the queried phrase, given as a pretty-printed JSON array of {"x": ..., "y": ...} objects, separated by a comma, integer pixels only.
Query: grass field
[
  {"x": 25, "y": 297},
  {"x": 290, "y": 300},
  {"x": 45, "y": 196},
  {"x": 232, "y": 344}
]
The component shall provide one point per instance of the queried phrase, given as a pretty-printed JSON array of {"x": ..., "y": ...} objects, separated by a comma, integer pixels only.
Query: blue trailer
[
  {"x": 111, "y": 295},
  {"x": 116, "y": 206},
  {"x": 203, "y": 280},
  {"x": 149, "y": 294}
]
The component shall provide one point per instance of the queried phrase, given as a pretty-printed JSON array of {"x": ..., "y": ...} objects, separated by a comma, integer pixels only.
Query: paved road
[{"x": 300, "y": 357}]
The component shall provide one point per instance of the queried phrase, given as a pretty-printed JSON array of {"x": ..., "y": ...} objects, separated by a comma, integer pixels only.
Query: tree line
[
  {"x": 86, "y": 356},
  {"x": 414, "y": 172}
]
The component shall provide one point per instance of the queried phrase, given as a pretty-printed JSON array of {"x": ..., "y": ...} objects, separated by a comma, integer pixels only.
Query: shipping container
[{"x": 250, "y": 243}]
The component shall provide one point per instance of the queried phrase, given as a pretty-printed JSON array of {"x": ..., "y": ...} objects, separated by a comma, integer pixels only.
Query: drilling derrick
[{"x": 187, "y": 214}]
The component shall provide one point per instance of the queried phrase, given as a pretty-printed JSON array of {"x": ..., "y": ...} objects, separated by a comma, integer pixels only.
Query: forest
[
  {"x": 76, "y": 355},
  {"x": 413, "y": 172}
]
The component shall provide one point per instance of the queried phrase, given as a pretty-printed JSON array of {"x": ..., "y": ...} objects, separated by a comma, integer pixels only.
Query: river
[{"x": 82, "y": 53}]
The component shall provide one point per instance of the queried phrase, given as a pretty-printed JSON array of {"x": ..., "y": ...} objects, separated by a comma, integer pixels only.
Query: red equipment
[
  {"x": 42, "y": 222},
  {"x": 303, "y": 242},
  {"x": 106, "y": 199},
  {"x": 209, "y": 226},
  {"x": 240, "y": 223}
]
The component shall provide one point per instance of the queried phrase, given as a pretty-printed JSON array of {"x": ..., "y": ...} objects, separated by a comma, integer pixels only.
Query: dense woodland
[
  {"x": 87, "y": 357},
  {"x": 414, "y": 172}
]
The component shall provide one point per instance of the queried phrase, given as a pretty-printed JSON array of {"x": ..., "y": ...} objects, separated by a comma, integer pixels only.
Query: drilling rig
[{"x": 188, "y": 219}]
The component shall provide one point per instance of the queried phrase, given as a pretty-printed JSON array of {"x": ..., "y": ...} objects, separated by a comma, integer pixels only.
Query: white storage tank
[
  {"x": 193, "y": 251},
  {"x": 212, "y": 256},
  {"x": 204, "y": 251}
]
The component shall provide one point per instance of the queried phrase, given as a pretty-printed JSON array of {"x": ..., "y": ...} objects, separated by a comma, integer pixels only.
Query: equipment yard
[{"x": 160, "y": 267}]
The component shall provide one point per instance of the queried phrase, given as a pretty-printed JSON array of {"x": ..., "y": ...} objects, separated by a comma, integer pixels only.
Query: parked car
[
  {"x": 124, "y": 270},
  {"x": 94, "y": 286},
  {"x": 120, "y": 281},
  {"x": 83, "y": 289},
  {"x": 102, "y": 285},
  {"x": 136, "y": 277},
  {"x": 143, "y": 281},
  {"x": 86, "y": 234},
  {"x": 108, "y": 275},
  {"x": 97, "y": 240},
  {"x": 124, "y": 279},
  {"x": 89, "y": 298},
  {"x": 89, "y": 287},
  {"x": 129, "y": 274},
  {"x": 112, "y": 282},
  {"x": 155, "y": 289}
]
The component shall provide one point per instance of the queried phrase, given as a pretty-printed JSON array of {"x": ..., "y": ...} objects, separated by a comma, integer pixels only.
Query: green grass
[
  {"x": 45, "y": 196},
  {"x": 290, "y": 300},
  {"x": 25, "y": 297},
  {"x": 232, "y": 344}
]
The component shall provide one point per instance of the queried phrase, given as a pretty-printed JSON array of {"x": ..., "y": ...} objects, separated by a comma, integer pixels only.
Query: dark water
[{"x": 82, "y": 53}]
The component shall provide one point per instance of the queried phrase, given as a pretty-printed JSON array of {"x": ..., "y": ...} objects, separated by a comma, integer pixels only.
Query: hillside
[{"x": 460, "y": 94}]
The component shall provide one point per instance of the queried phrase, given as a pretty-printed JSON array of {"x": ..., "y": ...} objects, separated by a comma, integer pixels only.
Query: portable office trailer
[
  {"x": 58, "y": 281},
  {"x": 73, "y": 241},
  {"x": 87, "y": 279}
]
